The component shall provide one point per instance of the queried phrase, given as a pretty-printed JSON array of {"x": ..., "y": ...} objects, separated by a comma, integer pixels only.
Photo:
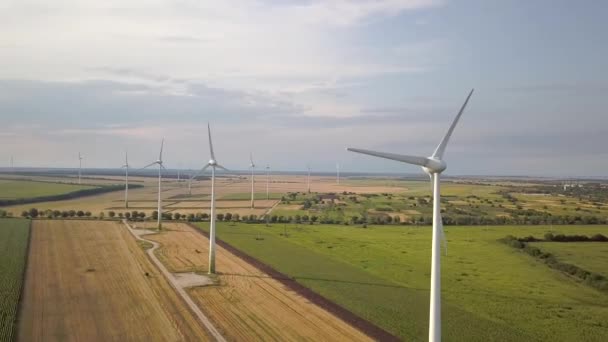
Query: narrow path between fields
[{"x": 177, "y": 285}]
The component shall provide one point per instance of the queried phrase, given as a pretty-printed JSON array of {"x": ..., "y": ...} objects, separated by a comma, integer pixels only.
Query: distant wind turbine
[
  {"x": 433, "y": 166},
  {"x": 126, "y": 167},
  {"x": 308, "y": 178},
  {"x": 267, "y": 182},
  {"x": 213, "y": 164},
  {"x": 338, "y": 173},
  {"x": 159, "y": 162},
  {"x": 252, "y": 166},
  {"x": 79, "y": 167}
]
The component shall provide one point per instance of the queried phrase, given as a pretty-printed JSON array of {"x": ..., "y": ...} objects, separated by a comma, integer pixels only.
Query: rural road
[{"x": 177, "y": 286}]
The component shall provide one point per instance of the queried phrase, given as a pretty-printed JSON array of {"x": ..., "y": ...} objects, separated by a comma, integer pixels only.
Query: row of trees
[{"x": 595, "y": 280}]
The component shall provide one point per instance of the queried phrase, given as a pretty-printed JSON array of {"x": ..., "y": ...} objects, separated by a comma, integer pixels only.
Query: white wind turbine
[
  {"x": 267, "y": 182},
  {"x": 308, "y": 178},
  {"x": 338, "y": 173},
  {"x": 126, "y": 167},
  {"x": 433, "y": 166},
  {"x": 160, "y": 168},
  {"x": 79, "y": 167},
  {"x": 213, "y": 164},
  {"x": 252, "y": 166}
]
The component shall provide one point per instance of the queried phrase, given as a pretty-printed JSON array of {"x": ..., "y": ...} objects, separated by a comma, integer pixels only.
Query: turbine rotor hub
[{"x": 434, "y": 165}]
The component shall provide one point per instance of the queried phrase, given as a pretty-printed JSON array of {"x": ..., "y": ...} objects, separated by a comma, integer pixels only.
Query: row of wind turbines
[{"x": 433, "y": 166}]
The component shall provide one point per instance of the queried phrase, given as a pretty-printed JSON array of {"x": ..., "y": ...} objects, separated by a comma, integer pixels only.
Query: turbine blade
[
  {"x": 443, "y": 239},
  {"x": 221, "y": 167},
  {"x": 160, "y": 155},
  {"x": 441, "y": 147},
  {"x": 201, "y": 171},
  {"x": 420, "y": 161},
  {"x": 251, "y": 158},
  {"x": 147, "y": 166},
  {"x": 210, "y": 142}
]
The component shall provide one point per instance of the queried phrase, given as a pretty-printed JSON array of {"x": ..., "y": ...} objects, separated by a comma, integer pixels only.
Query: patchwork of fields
[
  {"x": 490, "y": 291},
  {"x": 247, "y": 304}
]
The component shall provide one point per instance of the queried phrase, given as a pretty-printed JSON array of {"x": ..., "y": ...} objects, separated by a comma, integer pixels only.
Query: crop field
[
  {"x": 17, "y": 189},
  {"x": 489, "y": 290},
  {"x": 90, "y": 281},
  {"x": 14, "y": 235},
  {"x": 248, "y": 304}
]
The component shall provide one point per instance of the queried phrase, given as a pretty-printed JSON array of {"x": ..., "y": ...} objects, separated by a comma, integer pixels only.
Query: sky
[{"x": 296, "y": 82}]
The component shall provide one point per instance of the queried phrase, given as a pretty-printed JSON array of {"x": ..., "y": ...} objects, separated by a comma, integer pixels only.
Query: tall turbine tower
[
  {"x": 79, "y": 167},
  {"x": 267, "y": 182},
  {"x": 338, "y": 173},
  {"x": 308, "y": 179},
  {"x": 252, "y": 166},
  {"x": 126, "y": 167},
  {"x": 213, "y": 164},
  {"x": 160, "y": 168},
  {"x": 433, "y": 166}
]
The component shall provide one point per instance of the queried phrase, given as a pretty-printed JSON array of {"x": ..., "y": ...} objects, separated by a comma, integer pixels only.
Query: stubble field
[{"x": 90, "y": 281}]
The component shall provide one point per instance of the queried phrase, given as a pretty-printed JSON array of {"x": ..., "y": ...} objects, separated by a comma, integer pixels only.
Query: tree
[
  {"x": 190, "y": 217},
  {"x": 205, "y": 216},
  {"x": 236, "y": 217},
  {"x": 274, "y": 218},
  {"x": 111, "y": 214},
  {"x": 33, "y": 213},
  {"x": 220, "y": 217},
  {"x": 72, "y": 213},
  {"x": 228, "y": 217},
  {"x": 25, "y": 213},
  {"x": 128, "y": 215},
  {"x": 155, "y": 215},
  {"x": 102, "y": 215},
  {"x": 177, "y": 216},
  {"x": 87, "y": 213},
  {"x": 313, "y": 218},
  {"x": 80, "y": 213}
]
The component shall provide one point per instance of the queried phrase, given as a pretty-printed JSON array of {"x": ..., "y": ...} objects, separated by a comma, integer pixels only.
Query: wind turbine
[
  {"x": 338, "y": 173},
  {"x": 213, "y": 164},
  {"x": 79, "y": 167},
  {"x": 126, "y": 167},
  {"x": 159, "y": 161},
  {"x": 267, "y": 182},
  {"x": 433, "y": 166},
  {"x": 308, "y": 178},
  {"x": 252, "y": 166}
]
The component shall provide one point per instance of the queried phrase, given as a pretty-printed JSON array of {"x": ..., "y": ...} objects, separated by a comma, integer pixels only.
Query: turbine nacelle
[
  {"x": 434, "y": 165},
  {"x": 212, "y": 162}
]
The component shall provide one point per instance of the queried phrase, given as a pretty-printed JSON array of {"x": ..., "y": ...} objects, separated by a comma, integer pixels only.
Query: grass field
[
  {"x": 18, "y": 189},
  {"x": 90, "y": 281},
  {"x": 247, "y": 196},
  {"x": 591, "y": 256},
  {"x": 14, "y": 235},
  {"x": 490, "y": 291}
]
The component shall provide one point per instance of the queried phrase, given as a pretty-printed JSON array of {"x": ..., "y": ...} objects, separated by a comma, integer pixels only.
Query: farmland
[
  {"x": 20, "y": 189},
  {"x": 90, "y": 281},
  {"x": 490, "y": 291},
  {"x": 14, "y": 236},
  {"x": 248, "y": 304}
]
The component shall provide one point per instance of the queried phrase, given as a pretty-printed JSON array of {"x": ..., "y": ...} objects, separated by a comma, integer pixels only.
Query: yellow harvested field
[
  {"x": 86, "y": 281},
  {"x": 248, "y": 305}
]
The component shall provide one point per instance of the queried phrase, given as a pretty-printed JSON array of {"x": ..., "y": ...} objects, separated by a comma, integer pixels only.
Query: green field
[
  {"x": 591, "y": 256},
  {"x": 14, "y": 235},
  {"x": 490, "y": 291},
  {"x": 20, "y": 189}
]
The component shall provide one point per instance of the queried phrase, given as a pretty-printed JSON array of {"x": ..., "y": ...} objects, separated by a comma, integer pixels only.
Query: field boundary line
[
  {"x": 355, "y": 321},
  {"x": 180, "y": 290}
]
